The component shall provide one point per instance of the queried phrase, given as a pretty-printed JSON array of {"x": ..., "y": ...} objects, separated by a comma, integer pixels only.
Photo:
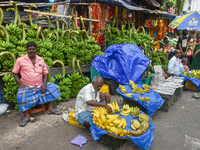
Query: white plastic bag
[{"x": 3, "y": 108}]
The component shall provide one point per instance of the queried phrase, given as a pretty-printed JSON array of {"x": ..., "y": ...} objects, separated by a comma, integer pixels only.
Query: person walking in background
[
  {"x": 191, "y": 46},
  {"x": 183, "y": 42}
]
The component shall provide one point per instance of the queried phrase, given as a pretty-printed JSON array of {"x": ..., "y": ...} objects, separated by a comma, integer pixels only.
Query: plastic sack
[
  {"x": 3, "y": 108},
  {"x": 155, "y": 100},
  {"x": 193, "y": 80},
  {"x": 122, "y": 63},
  {"x": 143, "y": 141}
]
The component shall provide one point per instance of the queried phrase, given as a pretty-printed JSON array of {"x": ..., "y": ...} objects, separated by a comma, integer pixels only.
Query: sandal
[
  {"x": 55, "y": 112},
  {"x": 23, "y": 123}
]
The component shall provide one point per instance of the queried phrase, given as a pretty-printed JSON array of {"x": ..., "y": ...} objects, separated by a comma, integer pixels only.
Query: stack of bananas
[
  {"x": 194, "y": 73},
  {"x": 147, "y": 99},
  {"x": 114, "y": 106},
  {"x": 146, "y": 88},
  {"x": 129, "y": 95},
  {"x": 126, "y": 110},
  {"x": 122, "y": 89},
  {"x": 135, "y": 88},
  {"x": 135, "y": 112},
  {"x": 140, "y": 127},
  {"x": 111, "y": 123},
  {"x": 132, "y": 84}
]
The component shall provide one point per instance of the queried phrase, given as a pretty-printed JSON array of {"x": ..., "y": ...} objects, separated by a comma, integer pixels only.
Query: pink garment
[
  {"x": 30, "y": 75},
  {"x": 186, "y": 68}
]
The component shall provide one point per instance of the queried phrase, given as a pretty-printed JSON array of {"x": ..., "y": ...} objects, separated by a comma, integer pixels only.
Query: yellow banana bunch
[
  {"x": 129, "y": 95},
  {"x": 146, "y": 88},
  {"x": 126, "y": 110},
  {"x": 100, "y": 110},
  {"x": 138, "y": 90},
  {"x": 143, "y": 117},
  {"x": 122, "y": 89},
  {"x": 135, "y": 112},
  {"x": 147, "y": 99},
  {"x": 132, "y": 84},
  {"x": 135, "y": 124},
  {"x": 114, "y": 106}
]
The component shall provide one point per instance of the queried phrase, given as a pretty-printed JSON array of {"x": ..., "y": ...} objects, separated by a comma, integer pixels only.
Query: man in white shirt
[
  {"x": 89, "y": 97},
  {"x": 173, "y": 66}
]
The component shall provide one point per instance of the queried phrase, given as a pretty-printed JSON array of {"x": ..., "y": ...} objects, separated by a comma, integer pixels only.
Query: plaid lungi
[{"x": 30, "y": 97}]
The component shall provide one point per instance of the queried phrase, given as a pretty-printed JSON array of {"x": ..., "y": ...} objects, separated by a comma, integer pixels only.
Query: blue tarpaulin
[
  {"x": 122, "y": 63},
  {"x": 155, "y": 100},
  {"x": 193, "y": 80},
  {"x": 144, "y": 141}
]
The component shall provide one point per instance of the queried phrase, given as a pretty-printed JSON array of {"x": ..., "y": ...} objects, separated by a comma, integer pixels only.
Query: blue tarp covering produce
[
  {"x": 193, "y": 80},
  {"x": 155, "y": 100},
  {"x": 122, "y": 63},
  {"x": 143, "y": 141}
]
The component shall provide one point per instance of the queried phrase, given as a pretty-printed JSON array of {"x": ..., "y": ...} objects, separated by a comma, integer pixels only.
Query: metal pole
[
  {"x": 89, "y": 8},
  {"x": 105, "y": 46}
]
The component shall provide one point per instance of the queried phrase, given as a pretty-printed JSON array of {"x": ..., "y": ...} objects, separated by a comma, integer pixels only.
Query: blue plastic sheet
[
  {"x": 155, "y": 100},
  {"x": 193, "y": 80},
  {"x": 144, "y": 141},
  {"x": 122, "y": 63}
]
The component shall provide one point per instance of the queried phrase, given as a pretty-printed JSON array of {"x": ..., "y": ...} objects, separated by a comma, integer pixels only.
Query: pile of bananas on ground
[
  {"x": 126, "y": 110},
  {"x": 111, "y": 123},
  {"x": 122, "y": 89},
  {"x": 147, "y": 99},
  {"x": 116, "y": 124},
  {"x": 128, "y": 95},
  {"x": 146, "y": 88},
  {"x": 135, "y": 88},
  {"x": 141, "y": 126},
  {"x": 194, "y": 73}
]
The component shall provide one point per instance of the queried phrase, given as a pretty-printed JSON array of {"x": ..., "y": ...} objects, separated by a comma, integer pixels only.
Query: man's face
[
  {"x": 178, "y": 55},
  {"x": 31, "y": 50},
  {"x": 97, "y": 86}
]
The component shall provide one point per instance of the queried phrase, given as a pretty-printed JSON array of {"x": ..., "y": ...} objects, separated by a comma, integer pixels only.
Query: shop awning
[{"x": 122, "y": 3}]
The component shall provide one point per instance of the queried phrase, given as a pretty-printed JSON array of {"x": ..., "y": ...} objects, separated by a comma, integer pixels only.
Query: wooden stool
[{"x": 42, "y": 108}]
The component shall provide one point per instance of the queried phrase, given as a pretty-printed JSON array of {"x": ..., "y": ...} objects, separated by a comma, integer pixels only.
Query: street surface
[{"x": 177, "y": 129}]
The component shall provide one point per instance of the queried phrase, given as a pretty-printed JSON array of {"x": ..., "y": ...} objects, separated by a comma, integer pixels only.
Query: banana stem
[
  {"x": 38, "y": 33},
  {"x": 46, "y": 34},
  {"x": 123, "y": 26},
  {"x": 5, "y": 31},
  {"x": 84, "y": 31},
  {"x": 6, "y": 53},
  {"x": 29, "y": 14},
  {"x": 73, "y": 24},
  {"x": 2, "y": 33},
  {"x": 47, "y": 18},
  {"x": 65, "y": 22},
  {"x": 23, "y": 31},
  {"x": 130, "y": 33},
  {"x": 73, "y": 64},
  {"x": 162, "y": 44},
  {"x": 74, "y": 38},
  {"x": 62, "y": 64},
  {"x": 1, "y": 18},
  {"x": 145, "y": 49},
  {"x": 19, "y": 19},
  {"x": 68, "y": 35},
  {"x": 42, "y": 35},
  {"x": 57, "y": 37},
  {"x": 79, "y": 68},
  {"x": 141, "y": 27},
  {"x": 109, "y": 33},
  {"x": 82, "y": 23},
  {"x": 57, "y": 24}
]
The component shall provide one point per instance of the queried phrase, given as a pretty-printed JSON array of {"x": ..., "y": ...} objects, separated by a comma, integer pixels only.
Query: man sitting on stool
[{"x": 89, "y": 97}]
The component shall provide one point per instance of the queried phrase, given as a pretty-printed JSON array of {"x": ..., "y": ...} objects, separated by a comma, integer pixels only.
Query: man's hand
[
  {"x": 102, "y": 96},
  {"x": 43, "y": 88},
  {"x": 22, "y": 85},
  {"x": 108, "y": 108}
]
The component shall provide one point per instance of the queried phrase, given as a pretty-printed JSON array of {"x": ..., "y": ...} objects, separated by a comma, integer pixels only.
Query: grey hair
[
  {"x": 98, "y": 79},
  {"x": 184, "y": 60}
]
